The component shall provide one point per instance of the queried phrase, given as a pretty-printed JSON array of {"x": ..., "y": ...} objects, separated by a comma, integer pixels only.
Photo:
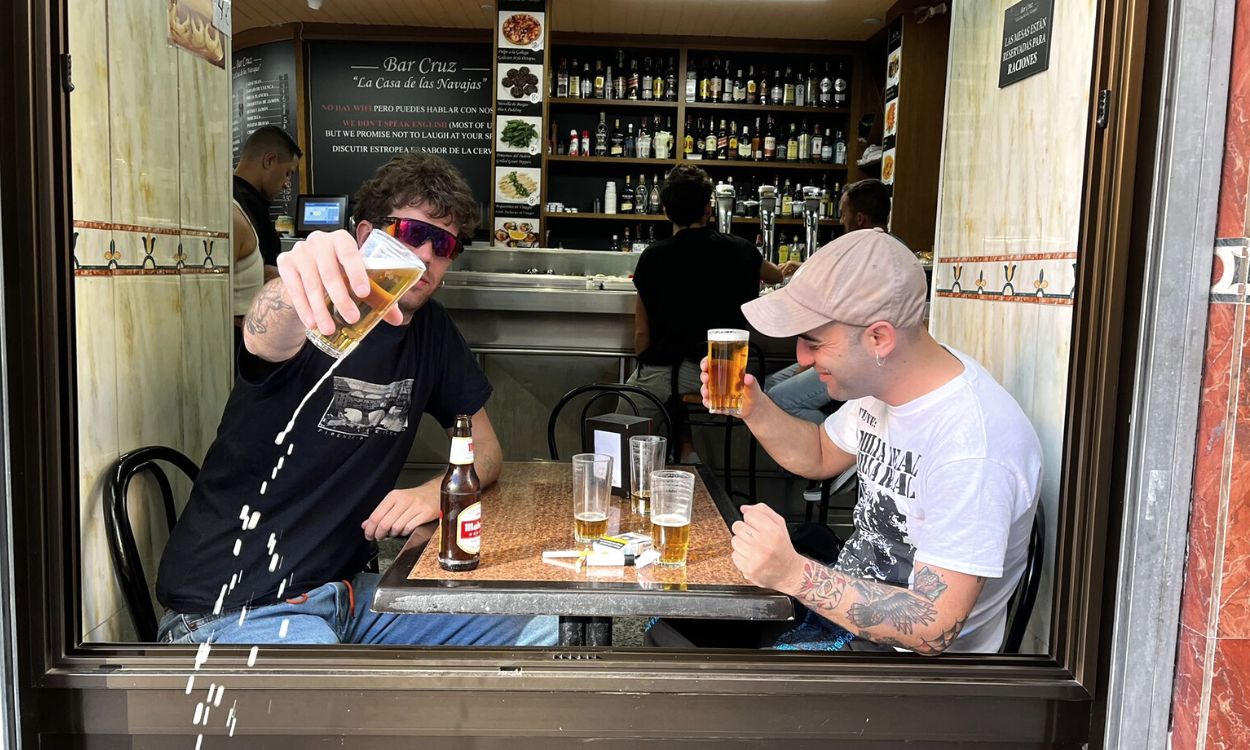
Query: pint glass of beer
[
  {"x": 726, "y": 368},
  {"x": 672, "y": 497},
  {"x": 646, "y": 454},
  {"x": 392, "y": 269},
  {"x": 592, "y": 492}
]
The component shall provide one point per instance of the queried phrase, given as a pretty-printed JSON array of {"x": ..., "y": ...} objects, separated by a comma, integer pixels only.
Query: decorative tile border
[
  {"x": 1037, "y": 278},
  {"x": 146, "y": 251}
]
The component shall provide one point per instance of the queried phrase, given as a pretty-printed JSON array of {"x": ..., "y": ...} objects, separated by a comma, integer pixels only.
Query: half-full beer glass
[
  {"x": 592, "y": 493},
  {"x": 726, "y": 368},
  {"x": 392, "y": 269},
  {"x": 646, "y": 454},
  {"x": 672, "y": 498}
]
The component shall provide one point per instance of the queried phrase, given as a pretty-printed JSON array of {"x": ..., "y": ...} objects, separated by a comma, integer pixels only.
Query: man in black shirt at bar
[
  {"x": 268, "y": 160},
  {"x": 695, "y": 280}
]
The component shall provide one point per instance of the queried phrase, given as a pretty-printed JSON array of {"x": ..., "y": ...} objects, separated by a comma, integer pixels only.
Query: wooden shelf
[
  {"x": 592, "y": 102},
  {"x": 739, "y": 164},
  {"x": 775, "y": 108},
  {"x": 608, "y": 160},
  {"x": 610, "y": 217}
]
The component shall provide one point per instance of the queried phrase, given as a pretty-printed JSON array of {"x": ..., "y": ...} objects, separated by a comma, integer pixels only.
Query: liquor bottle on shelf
[
  {"x": 705, "y": 82},
  {"x": 633, "y": 82},
  {"x": 787, "y": 92},
  {"x": 587, "y": 81},
  {"x": 630, "y": 150},
  {"x": 812, "y": 86},
  {"x": 601, "y": 136},
  {"x": 770, "y": 140},
  {"x": 751, "y": 92},
  {"x": 626, "y": 245},
  {"x": 792, "y": 144},
  {"x": 646, "y": 84},
  {"x": 692, "y": 81},
  {"x": 839, "y": 148},
  {"x": 709, "y": 150},
  {"x": 796, "y": 203},
  {"x": 562, "y": 78},
  {"x": 700, "y": 140},
  {"x": 618, "y": 77},
  {"x": 627, "y": 201},
  {"x": 777, "y": 94},
  {"x": 740, "y": 88},
  {"x": 585, "y": 143},
  {"x": 687, "y": 141},
  {"x": 817, "y": 142},
  {"x": 783, "y": 251},
  {"x": 651, "y": 234},
  {"x": 653, "y": 198},
  {"x": 826, "y": 88},
  {"x": 670, "y": 82},
  {"x": 641, "y": 196},
  {"x": 765, "y": 92},
  {"x": 800, "y": 89},
  {"x": 616, "y": 143},
  {"x": 722, "y": 142},
  {"x": 787, "y": 200},
  {"x": 841, "y": 87},
  {"x": 733, "y": 141},
  {"x": 727, "y": 88},
  {"x": 600, "y": 85},
  {"x": 836, "y": 201},
  {"x": 715, "y": 83},
  {"x": 575, "y": 80},
  {"x": 826, "y": 148},
  {"x": 805, "y": 143},
  {"x": 662, "y": 141},
  {"x": 757, "y": 142},
  {"x": 826, "y": 210},
  {"x": 746, "y": 151},
  {"x": 643, "y": 144}
]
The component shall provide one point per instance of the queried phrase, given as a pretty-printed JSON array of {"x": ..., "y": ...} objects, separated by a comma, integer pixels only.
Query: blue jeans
[
  {"x": 339, "y": 613},
  {"x": 798, "y": 393}
]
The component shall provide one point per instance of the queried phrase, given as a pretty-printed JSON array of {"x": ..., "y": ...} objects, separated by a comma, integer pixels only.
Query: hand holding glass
[
  {"x": 726, "y": 369},
  {"x": 592, "y": 491}
]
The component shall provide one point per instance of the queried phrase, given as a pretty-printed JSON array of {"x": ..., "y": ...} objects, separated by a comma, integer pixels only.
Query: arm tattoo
[
  {"x": 901, "y": 610},
  {"x": 822, "y": 587},
  {"x": 943, "y": 640},
  {"x": 928, "y": 584},
  {"x": 267, "y": 304}
]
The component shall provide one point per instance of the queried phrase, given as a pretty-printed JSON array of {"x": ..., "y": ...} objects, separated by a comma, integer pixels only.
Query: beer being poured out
[{"x": 727, "y": 366}]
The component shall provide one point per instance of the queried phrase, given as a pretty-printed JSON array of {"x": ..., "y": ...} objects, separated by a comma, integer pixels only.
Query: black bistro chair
[
  {"x": 597, "y": 392},
  {"x": 1020, "y": 605},
  {"x": 121, "y": 538}
]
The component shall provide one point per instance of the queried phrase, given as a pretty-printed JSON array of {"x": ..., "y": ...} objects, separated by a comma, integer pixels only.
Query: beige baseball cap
[{"x": 861, "y": 278}]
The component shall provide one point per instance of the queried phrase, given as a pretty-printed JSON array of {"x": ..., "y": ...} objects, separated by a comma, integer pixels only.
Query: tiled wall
[
  {"x": 1211, "y": 699},
  {"x": 150, "y": 130},
  {"x": 1009, "y": 209}
]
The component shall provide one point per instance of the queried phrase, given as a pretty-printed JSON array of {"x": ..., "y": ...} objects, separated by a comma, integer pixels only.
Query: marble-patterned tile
[
  {"x": 96, "y": 326},
  {"x": 1235, "y": 175},
  {"x": 1213, "y": 423},
  {"x": 91, "y": 249},
  {"x": 89, "y": 106},
  {"x": 205, "y": 144},
  {"x": 1187, "y": 689},
  {"x": 143, "y": 81},
  {"x": 149, "y": 395},
  {"x": 146, "y": 249},
  {"x": 207, "y": 370},
  {"x": 204, "y": 251},
  {"x": 1228, "y": 725}
]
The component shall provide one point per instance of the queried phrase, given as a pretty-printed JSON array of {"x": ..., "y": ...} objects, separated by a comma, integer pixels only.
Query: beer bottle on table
[{"x": 460, "y": 508}]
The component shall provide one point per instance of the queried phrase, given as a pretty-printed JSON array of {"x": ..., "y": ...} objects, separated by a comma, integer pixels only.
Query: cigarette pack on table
[{"x": 629, "y": 543}]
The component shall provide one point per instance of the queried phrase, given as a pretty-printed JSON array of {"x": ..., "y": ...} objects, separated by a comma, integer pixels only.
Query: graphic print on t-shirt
[
  {"x": 880, "y": 547},
  {"x": 359, "y": 408}
]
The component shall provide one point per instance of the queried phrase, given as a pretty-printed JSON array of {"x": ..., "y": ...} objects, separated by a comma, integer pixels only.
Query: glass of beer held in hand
[
  {"x": 592, "y": 493},
  {"x": 392, "y": 269},
  {"x": 672, "y": 498},
  {"x": 726, "y": 368}
]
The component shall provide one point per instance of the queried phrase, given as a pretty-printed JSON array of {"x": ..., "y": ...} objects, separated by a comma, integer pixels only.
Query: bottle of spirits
[
  {"x": 770, "y": 141},
  {"x": 839, "y": 148},
  {"x": 805, "y": 143},
  {"x": 716, "y": 82},
  {"x": 601, "y": 136},
  {"x": 792, "y": 144},
  {"x": 836, "y": 201},
  {"x": 777, "y": 94},
  {"x": 600, "y": 81},
  {"x": 705, "y": 82},
  {"x": 751, "y": 91},
  {"x": 800, "y": 89},
  {"x": 616, "y": 143},
  {"x": 733, "y": 140},
  {"x": 687, "y": 141},
  {"x": 641, "y": 196},
  {"x": 619, "y": 77},
  {"x": 575, "y": 80},
  {"x": 700, "y": 140},
  {"x": 787, "y": 200},
  {"x": 826, "y": 88},
  {"x": 627, "y": 202},
  {"x": 670, "y": 83},
  {"x": 709, "y": 150},
  {"x": 626, "y": 245},
  {"x": 633, "y": 83},
  {"x": 727, "y": 89},
  {"x": 722, "y": 142},
  {"x": 817, "y": 141},
  {"x": 765, "y": 93},
  {"x": 826, "y": 148},
  {"x": 757, "y": 142},
  {"x": 653, "y": 199},
  {"x": 826, "y": 210},
  {"x": 692, "y": 81},
  {"x": 631, "y": 145},
  {"x": 841, "y": 87},
  {"x": 562, "y": 79},
  {"x": 740, "y": 88},
  {"x": 587, "y": 81},
  {"x": 643, "y": 145},
  {"x": 787, "y": 93},
  {"x": 812, "y": 85},
  {"x": 646, "y": 85}
]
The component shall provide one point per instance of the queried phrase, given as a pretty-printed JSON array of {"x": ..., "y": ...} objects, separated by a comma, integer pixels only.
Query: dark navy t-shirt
[{"x": 349, "y": 445}]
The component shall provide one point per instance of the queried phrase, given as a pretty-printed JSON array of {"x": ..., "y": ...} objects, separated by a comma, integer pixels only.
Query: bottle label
[
  {"x": 461, "y": 451},
  {"x": 469, "y": 529}
]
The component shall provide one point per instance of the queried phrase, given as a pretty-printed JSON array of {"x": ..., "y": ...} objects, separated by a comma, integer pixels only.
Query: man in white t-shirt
[{"x": 949, "y": 466}]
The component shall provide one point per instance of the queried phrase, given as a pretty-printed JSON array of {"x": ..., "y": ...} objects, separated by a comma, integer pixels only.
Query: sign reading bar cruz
[{"x": 1026, "y": 40}]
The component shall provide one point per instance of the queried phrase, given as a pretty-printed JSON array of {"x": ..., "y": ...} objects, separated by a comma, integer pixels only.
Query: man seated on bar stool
[
  {"x": 949, "y": 466},
  {"x": 695, "y": 280},
  {"x": 797, "y": 389}
]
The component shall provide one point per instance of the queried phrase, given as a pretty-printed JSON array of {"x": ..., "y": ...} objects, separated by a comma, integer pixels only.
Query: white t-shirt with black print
[{"x": 950, "y": 479}]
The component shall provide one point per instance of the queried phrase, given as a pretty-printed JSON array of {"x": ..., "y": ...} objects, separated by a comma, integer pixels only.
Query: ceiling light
[
  {"x": 872, "y": 21},
  {"x": 315, "y": 4}
]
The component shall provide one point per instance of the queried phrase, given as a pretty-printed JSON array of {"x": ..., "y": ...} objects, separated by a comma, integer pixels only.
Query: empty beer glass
[
  {"x": 726, "y": 369},
  {"x": 393, "y": 269},
  {"x": 592, "y": 492},
  {"x": 646, "y": 454},
  {"x": 672, "y": 499}
]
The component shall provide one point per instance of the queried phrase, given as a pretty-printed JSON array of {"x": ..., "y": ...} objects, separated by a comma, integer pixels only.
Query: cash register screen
[{"x": 323, "y": 213}]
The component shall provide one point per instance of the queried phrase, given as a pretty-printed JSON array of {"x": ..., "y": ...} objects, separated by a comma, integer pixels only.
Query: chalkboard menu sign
[
  {"x": 1026, "y": 40},
  {"x": 264, "y": 94},
  {"x": 370, "y": 101}
]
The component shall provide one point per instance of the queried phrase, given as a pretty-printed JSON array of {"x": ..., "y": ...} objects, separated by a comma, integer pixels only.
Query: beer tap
[
  {"x": 811, "y": 218},
  {"x": 768, "y": 218},
  {"x": 725, "y": 195}
]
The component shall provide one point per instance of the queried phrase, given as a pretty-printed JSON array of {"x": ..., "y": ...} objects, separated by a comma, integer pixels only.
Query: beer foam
[{"x": 281, "y": 438}]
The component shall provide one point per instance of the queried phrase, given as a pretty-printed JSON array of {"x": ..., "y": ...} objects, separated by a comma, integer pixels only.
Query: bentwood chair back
[{"x": 597, "y": 392}]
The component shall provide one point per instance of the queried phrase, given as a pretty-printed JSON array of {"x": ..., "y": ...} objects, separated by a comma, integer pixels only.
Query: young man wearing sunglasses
[{"x": 298, "y": 575}]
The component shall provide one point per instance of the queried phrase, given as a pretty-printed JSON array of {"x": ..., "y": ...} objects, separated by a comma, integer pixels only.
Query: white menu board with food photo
[
  {"x": 516, "y": 232},
  {"x": 518, "y": 185},
  {"x": 521, "y": 30},
  {"x": 518, "y": 134},
  {"x": 519, "y": 84}
]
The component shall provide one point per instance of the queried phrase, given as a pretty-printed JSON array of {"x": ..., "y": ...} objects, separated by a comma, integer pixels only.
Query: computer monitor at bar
[{"x": 320, "y": 213}]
